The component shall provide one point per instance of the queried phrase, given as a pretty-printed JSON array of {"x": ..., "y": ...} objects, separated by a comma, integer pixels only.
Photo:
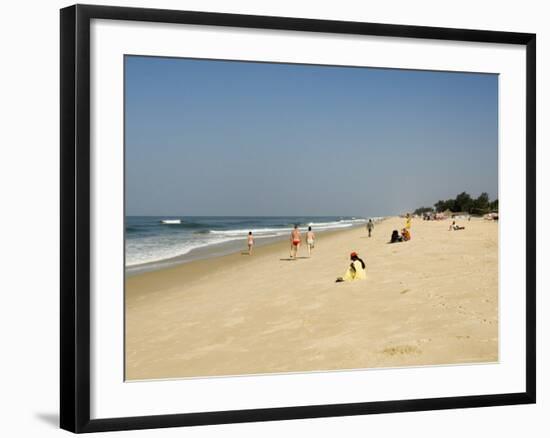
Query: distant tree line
[{"x": 462, "y": 203}]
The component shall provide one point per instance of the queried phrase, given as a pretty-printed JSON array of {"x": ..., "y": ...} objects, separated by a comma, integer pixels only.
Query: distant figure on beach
[
  {"x": 408, "y": 222},
  {"x": 455, "y": 227},
  {"x": 295, "y": 240},
  {"x": 395, "y": 237},
  {"x": 250, "y": 242},
  {"x": 370, "y": 226},
  {"x": 310, "y": 239},
  {"x": 406, "y": 234},
  {"x": 356, "y": 270}
]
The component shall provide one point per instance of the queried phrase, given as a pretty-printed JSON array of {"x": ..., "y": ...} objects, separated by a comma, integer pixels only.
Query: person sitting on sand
[
  {"x": 455, "y": 227},
  {"x": 395, "y": 237},
  {"x": 250, "y": 242},
  {"x": 370, "y": 226},
  {"x": 406, "y": 234},
  {"x": 356, "y": 270},
  {"x": 310, "y": 239},
  {"x": 295, "y": 240}
]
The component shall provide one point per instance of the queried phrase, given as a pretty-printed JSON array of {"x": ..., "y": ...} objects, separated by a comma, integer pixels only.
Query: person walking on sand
[
  {"x": 370, "y": 226},
  {"x": 356, "y": 270},
  {"x": 295, "y": 240},
  {"x": 310, "y": 239},
  {"x": 250, "y": 242},
  {"x": 408, "y": 222}
]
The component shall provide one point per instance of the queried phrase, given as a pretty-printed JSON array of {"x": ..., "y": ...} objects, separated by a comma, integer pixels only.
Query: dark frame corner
[{"x": 75, "y": 214}]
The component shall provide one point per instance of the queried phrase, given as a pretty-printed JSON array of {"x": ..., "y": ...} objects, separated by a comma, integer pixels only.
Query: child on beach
[
  {"x": 406, "y": 234},
  {"x": 356, "y": 270},
  {"x": 250, "y": 242},
  {"x": 295, "y": 240},
  {"x": 408, "y": 222},
  {"x": 310, "y": 239}
]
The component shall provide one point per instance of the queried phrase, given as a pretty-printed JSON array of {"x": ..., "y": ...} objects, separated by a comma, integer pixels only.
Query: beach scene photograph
[{"x": 293, "y": 218}]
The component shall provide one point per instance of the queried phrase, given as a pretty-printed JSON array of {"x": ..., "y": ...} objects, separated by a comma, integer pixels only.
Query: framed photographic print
[{"x": 269, "y": 218}]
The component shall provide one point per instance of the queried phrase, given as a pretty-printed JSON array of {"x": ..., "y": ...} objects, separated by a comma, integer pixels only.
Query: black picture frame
[{"x": 75, "y": 217}]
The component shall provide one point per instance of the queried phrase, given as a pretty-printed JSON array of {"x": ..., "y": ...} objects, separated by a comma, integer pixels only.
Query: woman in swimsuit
[
  {"x": 250, "y": 242},
  {"x": 310, "y": 239},
  {"x": 295, "y": 240}
]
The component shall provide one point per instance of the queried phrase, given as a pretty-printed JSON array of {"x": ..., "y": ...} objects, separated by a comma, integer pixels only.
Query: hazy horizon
[{"x": 229, "y": 138}]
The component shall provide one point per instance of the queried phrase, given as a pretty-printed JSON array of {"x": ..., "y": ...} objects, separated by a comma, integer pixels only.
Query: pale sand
[{"x": 433, "y": 300}]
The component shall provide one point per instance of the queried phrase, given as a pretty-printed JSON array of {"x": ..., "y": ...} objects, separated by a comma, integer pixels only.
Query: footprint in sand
[
  {"x": 400, "y": 350},
  {"x": 489, "y": 321}
]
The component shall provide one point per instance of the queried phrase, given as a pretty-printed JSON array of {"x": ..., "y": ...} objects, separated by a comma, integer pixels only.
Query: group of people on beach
[
  {"x": 295, "y": 241},
  {"x": 356, "y": 269},
  {"x": 405, "y": 235}
]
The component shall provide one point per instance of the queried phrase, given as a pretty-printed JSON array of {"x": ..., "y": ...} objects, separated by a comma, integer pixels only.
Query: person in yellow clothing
[
  {"x": 408, "y": 222},
  {"x": 356, "y": 270}
]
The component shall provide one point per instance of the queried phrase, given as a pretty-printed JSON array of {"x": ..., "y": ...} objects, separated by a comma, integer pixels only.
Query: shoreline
[
  {"x": 430, "y": 301},
  {"x": 223, "y": 249},
  {"x": 196, "y": 268}
]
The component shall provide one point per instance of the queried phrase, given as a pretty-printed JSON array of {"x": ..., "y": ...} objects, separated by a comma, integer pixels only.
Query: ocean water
[{"x": 151, "y": 244}]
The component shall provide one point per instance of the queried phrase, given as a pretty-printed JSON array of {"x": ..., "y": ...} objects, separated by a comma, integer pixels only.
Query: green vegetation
[{"x": 463, "y": 203}]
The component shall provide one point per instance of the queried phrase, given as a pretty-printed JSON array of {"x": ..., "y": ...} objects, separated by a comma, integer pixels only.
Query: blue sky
[{"x": 239, "y": 138}]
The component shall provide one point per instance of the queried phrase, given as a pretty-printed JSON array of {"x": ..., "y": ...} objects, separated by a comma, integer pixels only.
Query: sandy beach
[{"x": 430, "y": 301}]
